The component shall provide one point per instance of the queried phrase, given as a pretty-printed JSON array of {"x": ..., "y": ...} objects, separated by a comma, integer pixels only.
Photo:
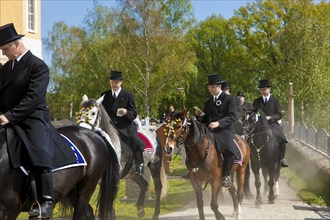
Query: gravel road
[{"x": 287, "y": 206}]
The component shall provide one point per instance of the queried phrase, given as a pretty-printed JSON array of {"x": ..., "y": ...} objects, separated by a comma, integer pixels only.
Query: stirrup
[
  {"x": 35, "y": 210},
  {"x": 140, "y": 168},
  {"x": 226, "y": 182}
]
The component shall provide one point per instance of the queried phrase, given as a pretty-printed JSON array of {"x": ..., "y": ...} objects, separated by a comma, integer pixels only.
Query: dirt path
[{"x": 287, "y": 206}]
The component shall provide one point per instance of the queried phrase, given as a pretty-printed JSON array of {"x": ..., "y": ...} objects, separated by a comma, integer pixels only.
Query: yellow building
[{"x": 26, "y": 16}]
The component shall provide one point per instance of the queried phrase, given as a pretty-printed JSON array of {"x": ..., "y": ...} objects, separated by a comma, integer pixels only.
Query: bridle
[
  {"x": 252, "y": 134},
  {"x": 82, "y": 117},
  {"x": 170, "y": 134},
  {"x": 179, "y": 141}
]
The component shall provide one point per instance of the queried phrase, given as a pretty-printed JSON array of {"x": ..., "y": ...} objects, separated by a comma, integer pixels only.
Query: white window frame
[{"x": 35, "y": 14}]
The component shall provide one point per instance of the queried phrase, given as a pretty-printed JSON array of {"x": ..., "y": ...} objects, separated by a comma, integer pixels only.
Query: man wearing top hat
[
  {"x": 225, "y": 87},
  {"x": 242, "y": 108},
  {"x": 219, "y": 115},
  {"x": 246, "y": 106},
  {"x": 120, "y": 106},
  {"x": 23, "y": 111},
  {"x": 273, "y": 110}
]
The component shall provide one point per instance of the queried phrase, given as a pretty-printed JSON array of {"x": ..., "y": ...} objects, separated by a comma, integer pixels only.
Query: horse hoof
[
  {"x": 155, "y": 217},
  {"x": 258, "y": 204},
  {"x": 271, "y": 201},
  {"x": 141, "y": 213}
]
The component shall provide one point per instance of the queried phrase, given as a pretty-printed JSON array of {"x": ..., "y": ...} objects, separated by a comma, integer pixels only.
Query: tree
[{"x": 143, "y": 39}]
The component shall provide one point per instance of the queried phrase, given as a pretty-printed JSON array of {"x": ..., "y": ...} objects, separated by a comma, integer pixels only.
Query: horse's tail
[
  {"x": 163, "y": 180},
  {"x": 108, "y": 187},
  {"x": 247, "y": 189}
]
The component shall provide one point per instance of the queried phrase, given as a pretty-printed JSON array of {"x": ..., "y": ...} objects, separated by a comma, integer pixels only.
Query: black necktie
[
  {"x": 265, "y": 100},
  {"x": 114, "y": 95},
  {"x": 14, "y": 63}
]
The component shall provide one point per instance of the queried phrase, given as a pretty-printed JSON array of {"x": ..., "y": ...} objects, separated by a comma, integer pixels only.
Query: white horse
[{"x": 93, "y": 116}]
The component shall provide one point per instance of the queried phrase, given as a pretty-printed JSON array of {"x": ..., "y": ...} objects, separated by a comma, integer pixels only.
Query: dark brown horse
[
  {"x": 264, "y": 154},
  {"x": 74, "y": 185},
  {"x": 204, "y": 163}
]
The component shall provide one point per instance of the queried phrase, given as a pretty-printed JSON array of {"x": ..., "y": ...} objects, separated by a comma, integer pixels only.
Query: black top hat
[
  {"x": 214, "y": 79},
  {"x": 116, "y": 75},
  {"x": 264, "y": 83},
  {"x": 225, "y": 85},
  {"x": 8, "y": 34},
  {"x": 240, "y": 93}
]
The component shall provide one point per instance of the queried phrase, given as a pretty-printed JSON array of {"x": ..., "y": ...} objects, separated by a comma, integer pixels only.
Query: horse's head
[
  {"x": 88, "y": 113},
  {"x": 249, "y": 122},
  {"x": 254, "y": 122},
  {"x": 176, "y": 130}
]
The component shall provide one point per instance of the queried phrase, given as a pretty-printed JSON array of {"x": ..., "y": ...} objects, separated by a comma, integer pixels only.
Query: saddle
[{"x": 66, "y": 154}]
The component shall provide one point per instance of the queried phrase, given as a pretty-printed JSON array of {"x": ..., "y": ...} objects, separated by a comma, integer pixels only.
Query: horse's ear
[
  {"x": 185, "y": 112},
  {"x": 100, "y": 100},
  {"x": 84, "y": 99}
]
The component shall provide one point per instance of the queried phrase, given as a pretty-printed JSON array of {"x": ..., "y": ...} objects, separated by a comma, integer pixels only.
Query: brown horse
[
  {"x": 160, "y": 132},
  {"x": 204, "y": 163}
]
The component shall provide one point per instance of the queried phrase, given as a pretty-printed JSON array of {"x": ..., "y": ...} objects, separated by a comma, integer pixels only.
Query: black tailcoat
[
  {"x": 223, "y": 110},
  {"x": 273, "y": 109},
  {"x": 23, "y": 102},
  {"x": 124, "y": 124}
]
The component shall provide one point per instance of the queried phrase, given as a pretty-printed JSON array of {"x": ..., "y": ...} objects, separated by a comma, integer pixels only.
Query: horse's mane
[
  {"x": 197, "y": 133},
  {"x": 105, "y": 122},
  {"x": 264, "y": 122}
]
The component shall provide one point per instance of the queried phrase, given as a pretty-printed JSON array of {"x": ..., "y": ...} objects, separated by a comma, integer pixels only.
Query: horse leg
[
  {"x": 257, "y": 182},
  {"x": 89, "y": 213},
  {"x": 277, "y": 176},
  {"x": 271, "y": 181},
  {"x": 143, "y": 185},
  {"x": 82, "y": 209},
  {"x": 265, "y": 175},
  {"x": 214, "y": 200},
  {"x": 232, "y": 191},
  {"x": 199, "y": 197},
  {"x": 9, "y": 213},
  {"x": 240, "y": 178},
  {"x": 155, "y": 173},
  {"x": 80, "y": 196}
]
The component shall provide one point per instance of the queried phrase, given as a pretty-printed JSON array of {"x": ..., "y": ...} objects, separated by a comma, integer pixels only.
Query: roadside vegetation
[{"x": 303, "y": 191}]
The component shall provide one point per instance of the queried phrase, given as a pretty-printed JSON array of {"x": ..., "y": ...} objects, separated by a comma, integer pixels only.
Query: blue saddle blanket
[{"x": 80, "y": 160}]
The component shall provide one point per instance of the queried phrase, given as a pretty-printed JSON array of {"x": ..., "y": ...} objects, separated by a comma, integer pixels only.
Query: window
[{"x": 31, "y": 15}]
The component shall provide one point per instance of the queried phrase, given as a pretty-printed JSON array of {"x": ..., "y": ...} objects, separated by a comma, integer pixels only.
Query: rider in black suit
[
  {"x": 23, "y": 85},
  {"x": 220, "y": 114},
  {"x": 120, "y": 106},
  {"x": 242, "y": 108},
  {"x": 273, "y": 110}
]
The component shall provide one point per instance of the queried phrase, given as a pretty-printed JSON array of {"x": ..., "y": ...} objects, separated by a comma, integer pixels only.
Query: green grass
[
  {"x": 179, "y": 194},
  {"x": 304, "y": 192}
]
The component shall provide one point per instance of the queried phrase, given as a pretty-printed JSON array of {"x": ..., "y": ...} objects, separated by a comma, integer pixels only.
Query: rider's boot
[
  {"x": 45, "y": 211},
  {"x": 227, "y": 164},
  {"x": 282, "y": 155},
  {"x": 139, "y": 162}
]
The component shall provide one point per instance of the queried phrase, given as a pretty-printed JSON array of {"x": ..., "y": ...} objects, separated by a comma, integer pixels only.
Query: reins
[
  {"x": 251, "y": 135},
  {"x": 179, "y": 141}
]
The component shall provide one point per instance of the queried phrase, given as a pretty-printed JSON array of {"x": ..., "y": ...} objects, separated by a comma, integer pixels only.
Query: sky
[{"x": 72, "y": 12}]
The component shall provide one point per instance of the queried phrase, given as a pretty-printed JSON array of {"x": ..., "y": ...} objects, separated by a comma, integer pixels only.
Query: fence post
[{"x": 291, "y": 111}]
